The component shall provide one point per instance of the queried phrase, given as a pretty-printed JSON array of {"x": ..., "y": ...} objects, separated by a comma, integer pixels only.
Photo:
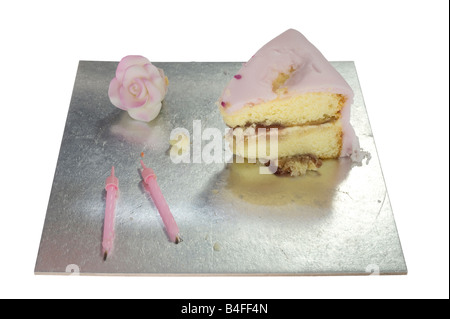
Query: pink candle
[
  {"x": 112, "y": 187},
  {"x": 155, "y": 192}
]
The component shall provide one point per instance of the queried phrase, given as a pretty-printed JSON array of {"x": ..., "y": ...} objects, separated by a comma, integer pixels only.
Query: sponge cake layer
[
  {"x": 323, "y": 141},
  {"x": 307, "y": 108}
]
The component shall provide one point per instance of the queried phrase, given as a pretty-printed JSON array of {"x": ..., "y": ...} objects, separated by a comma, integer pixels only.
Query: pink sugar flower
[{"x": 138, "y": 88}]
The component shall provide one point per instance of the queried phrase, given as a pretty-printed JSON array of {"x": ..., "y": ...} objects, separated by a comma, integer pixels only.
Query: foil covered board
[{"x": 233, "y": 220}]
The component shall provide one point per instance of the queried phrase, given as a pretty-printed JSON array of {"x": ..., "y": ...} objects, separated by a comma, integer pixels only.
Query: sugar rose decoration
[{"x": 138, "y": 88}]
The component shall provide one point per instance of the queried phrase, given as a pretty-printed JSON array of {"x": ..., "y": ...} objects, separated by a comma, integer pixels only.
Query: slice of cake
[{"x": 288, "y": 85}]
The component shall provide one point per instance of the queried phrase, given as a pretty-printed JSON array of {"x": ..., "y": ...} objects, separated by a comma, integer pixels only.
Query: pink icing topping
[{"x": 290, "y": 52}]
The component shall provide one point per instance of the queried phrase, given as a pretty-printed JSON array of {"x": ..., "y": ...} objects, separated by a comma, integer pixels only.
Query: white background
[{"x": 401, "y": 51}]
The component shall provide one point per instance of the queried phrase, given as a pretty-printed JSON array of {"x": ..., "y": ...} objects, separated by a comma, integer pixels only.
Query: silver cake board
[{"x": 233, "y": 220}]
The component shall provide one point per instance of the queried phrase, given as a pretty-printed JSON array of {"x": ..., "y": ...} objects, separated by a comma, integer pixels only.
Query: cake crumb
[
  {"x": 181, "y": 140},
  {"x": 217, "y": 246},
  {"x": 180, "y": 144}
]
